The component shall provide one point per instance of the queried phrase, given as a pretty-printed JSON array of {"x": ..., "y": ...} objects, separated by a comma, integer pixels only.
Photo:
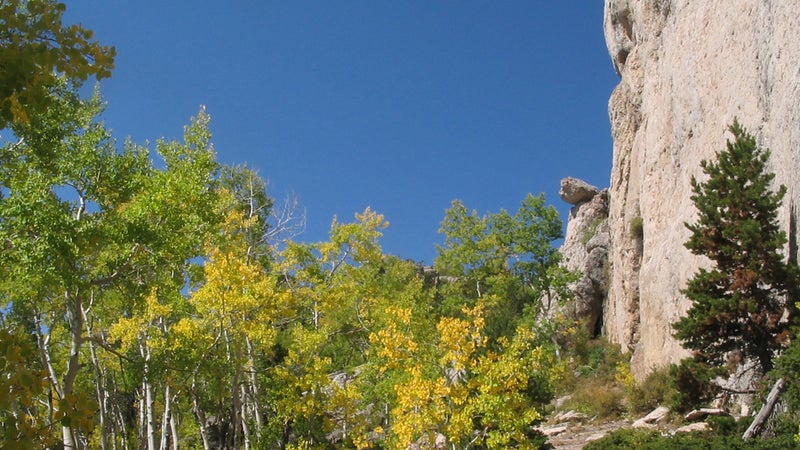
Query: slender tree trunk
[
  {"x": 100, "y": 391},
  {"x": 253, "y": 387},
  {"x": 75, "y": 320},
  {"x": 118, "y": 429},
  {"x": 149, "y": 400},
  {"x": 142, "y": 417},
  {"x": 244, "y": 417},
  {"x": 236, "y": 401},
  {"x": 150, "y": 415},
  {"x": 200, "y": 415},
  {"x": 165, "y": 418},
  {"x": 43, "y": 343},
  {"x": 173, "y": 425}
]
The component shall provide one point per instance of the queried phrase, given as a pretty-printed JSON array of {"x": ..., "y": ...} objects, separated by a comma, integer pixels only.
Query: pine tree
[{"x": 738, "y": 304}]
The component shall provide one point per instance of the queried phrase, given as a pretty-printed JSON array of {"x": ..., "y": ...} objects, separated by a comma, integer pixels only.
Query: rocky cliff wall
[
  {"x": 687, "y": 68},
  {"x": 585, "y": 249}
]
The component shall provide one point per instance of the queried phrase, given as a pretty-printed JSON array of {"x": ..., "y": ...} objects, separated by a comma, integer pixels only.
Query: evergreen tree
[{"x": 738, "y": 304}]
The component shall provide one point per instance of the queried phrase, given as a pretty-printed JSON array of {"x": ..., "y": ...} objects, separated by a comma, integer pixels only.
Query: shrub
[
  {"x": 591, "y": 230},
  {"x": 598, "y": 397},
  {"x": 691, "y": 382},
  {"x": 788, "y": 367},
  {"x": 640, "y": 439},
  {"x": 637, "y": 227},
  {"x": 656, "y": 389}
]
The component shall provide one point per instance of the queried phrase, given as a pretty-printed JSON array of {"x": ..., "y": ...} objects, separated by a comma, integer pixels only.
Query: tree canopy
[
  {"x": 146, "y": 302},
  {"x": 151, "y": 297},
  {"x": 36, "y": 48}
]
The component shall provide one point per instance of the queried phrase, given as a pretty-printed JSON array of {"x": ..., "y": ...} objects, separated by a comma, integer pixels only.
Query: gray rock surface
[{"x": 585, "y": 249}]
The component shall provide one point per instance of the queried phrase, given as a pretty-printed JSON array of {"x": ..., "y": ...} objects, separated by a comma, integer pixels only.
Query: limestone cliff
[{"x": 687, "y": 68}]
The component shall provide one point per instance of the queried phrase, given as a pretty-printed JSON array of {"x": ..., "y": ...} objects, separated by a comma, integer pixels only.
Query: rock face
[
  {"x": 687, "y": 69},
  {"x": 585, "y": 249}
]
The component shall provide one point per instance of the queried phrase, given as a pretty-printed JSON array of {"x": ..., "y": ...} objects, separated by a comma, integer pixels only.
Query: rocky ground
[
  {"x": 572, "y": 431},
  {"x": 577, "y": 435}
]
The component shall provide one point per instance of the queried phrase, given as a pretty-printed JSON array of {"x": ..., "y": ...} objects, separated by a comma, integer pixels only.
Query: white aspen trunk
[
  {"x": 122, "y": 438},
  {"x": 75, "y": 319},
  {"x": 236, "y": 403},
  {"x": 142, "y": 417},
  {"x": 150, "y": 415},
  {"x": 253, "y": 387},
  {"x": 200, "y": 415},
  {"x": 244, "y": 417},
  {"x": 100, "y": 392},
  {"x": 123, "y": 429},
  {"x": 173, "y": 425},
  {"x": 149, "y": 400},
  {"x": 43, "y": 342},
  {"x": 165, "y": 418}
]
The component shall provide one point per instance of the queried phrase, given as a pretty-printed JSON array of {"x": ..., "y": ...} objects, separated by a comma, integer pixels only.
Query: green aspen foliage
[{"x": 35, "y": 49}]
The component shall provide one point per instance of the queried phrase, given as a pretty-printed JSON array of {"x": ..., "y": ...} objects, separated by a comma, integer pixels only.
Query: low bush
[
  {"x": 597, "y": 397},
  {"x": 655, "y": 390},
  {"x": 691, "y": 383},
  {"x": 718, "y": 438}
]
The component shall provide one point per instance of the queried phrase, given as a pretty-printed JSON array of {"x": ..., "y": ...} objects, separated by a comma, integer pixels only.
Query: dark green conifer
[{"x": 739, "y": 302}]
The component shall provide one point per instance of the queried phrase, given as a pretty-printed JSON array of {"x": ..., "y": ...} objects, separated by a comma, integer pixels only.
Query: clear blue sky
[{"x": 402, "y": 106}]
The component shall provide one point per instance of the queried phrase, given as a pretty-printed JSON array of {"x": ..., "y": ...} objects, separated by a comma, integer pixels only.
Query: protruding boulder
[{"x": 575, "y": 191}]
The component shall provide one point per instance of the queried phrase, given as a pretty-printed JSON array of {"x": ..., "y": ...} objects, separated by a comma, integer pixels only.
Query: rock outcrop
[
  {"x": 575, "y": 191},
  {"x": 687, "y": 69},
  {"x": 585, "y": 249}
]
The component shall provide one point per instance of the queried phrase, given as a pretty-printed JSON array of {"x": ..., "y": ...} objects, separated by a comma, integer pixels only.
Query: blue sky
[{"x": 400, "y": 106}]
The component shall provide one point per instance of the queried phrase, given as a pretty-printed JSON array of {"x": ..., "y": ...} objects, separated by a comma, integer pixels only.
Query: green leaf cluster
[{"x": 35, "y": 49}]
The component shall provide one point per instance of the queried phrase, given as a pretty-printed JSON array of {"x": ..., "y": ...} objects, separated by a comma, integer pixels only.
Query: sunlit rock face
[{"x": 687, "y": 69}]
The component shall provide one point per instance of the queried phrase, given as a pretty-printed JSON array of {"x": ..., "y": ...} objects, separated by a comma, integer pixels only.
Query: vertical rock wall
[
  {"x": 585, "y": 249},
  {"x": 687, "y": 68}
]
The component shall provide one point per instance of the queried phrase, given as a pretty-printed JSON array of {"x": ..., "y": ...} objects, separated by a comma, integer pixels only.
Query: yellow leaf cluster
[
  {"x": 394, "y": 343},
  {"x": 420, "y": 409},
  {"x": 460, "y": 339}
]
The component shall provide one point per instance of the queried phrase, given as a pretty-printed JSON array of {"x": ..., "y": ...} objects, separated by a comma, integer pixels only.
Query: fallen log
[{"x": 765, "y": 411}]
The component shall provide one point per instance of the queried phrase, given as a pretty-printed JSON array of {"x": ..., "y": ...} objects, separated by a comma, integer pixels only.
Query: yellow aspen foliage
[
  {"x": 461, "y": 388},
  {"x": 129, "y": 330},
  {"x": 498, "y": 392},
  {"x": 394, "y": 344},
  {"x": 303, "y": 377},
  {"x": 459, "y": 339},
  {"x": 358, "y": 239},
  {"x": 347, "y": 412},
  {"x": 420, "y": 410},
  {"x": 20, "y": 389},
  {"x": 237, "y": 294}
]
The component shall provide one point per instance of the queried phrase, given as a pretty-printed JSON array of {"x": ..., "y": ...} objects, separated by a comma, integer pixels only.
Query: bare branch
[{"x": 287, "y": 221}]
